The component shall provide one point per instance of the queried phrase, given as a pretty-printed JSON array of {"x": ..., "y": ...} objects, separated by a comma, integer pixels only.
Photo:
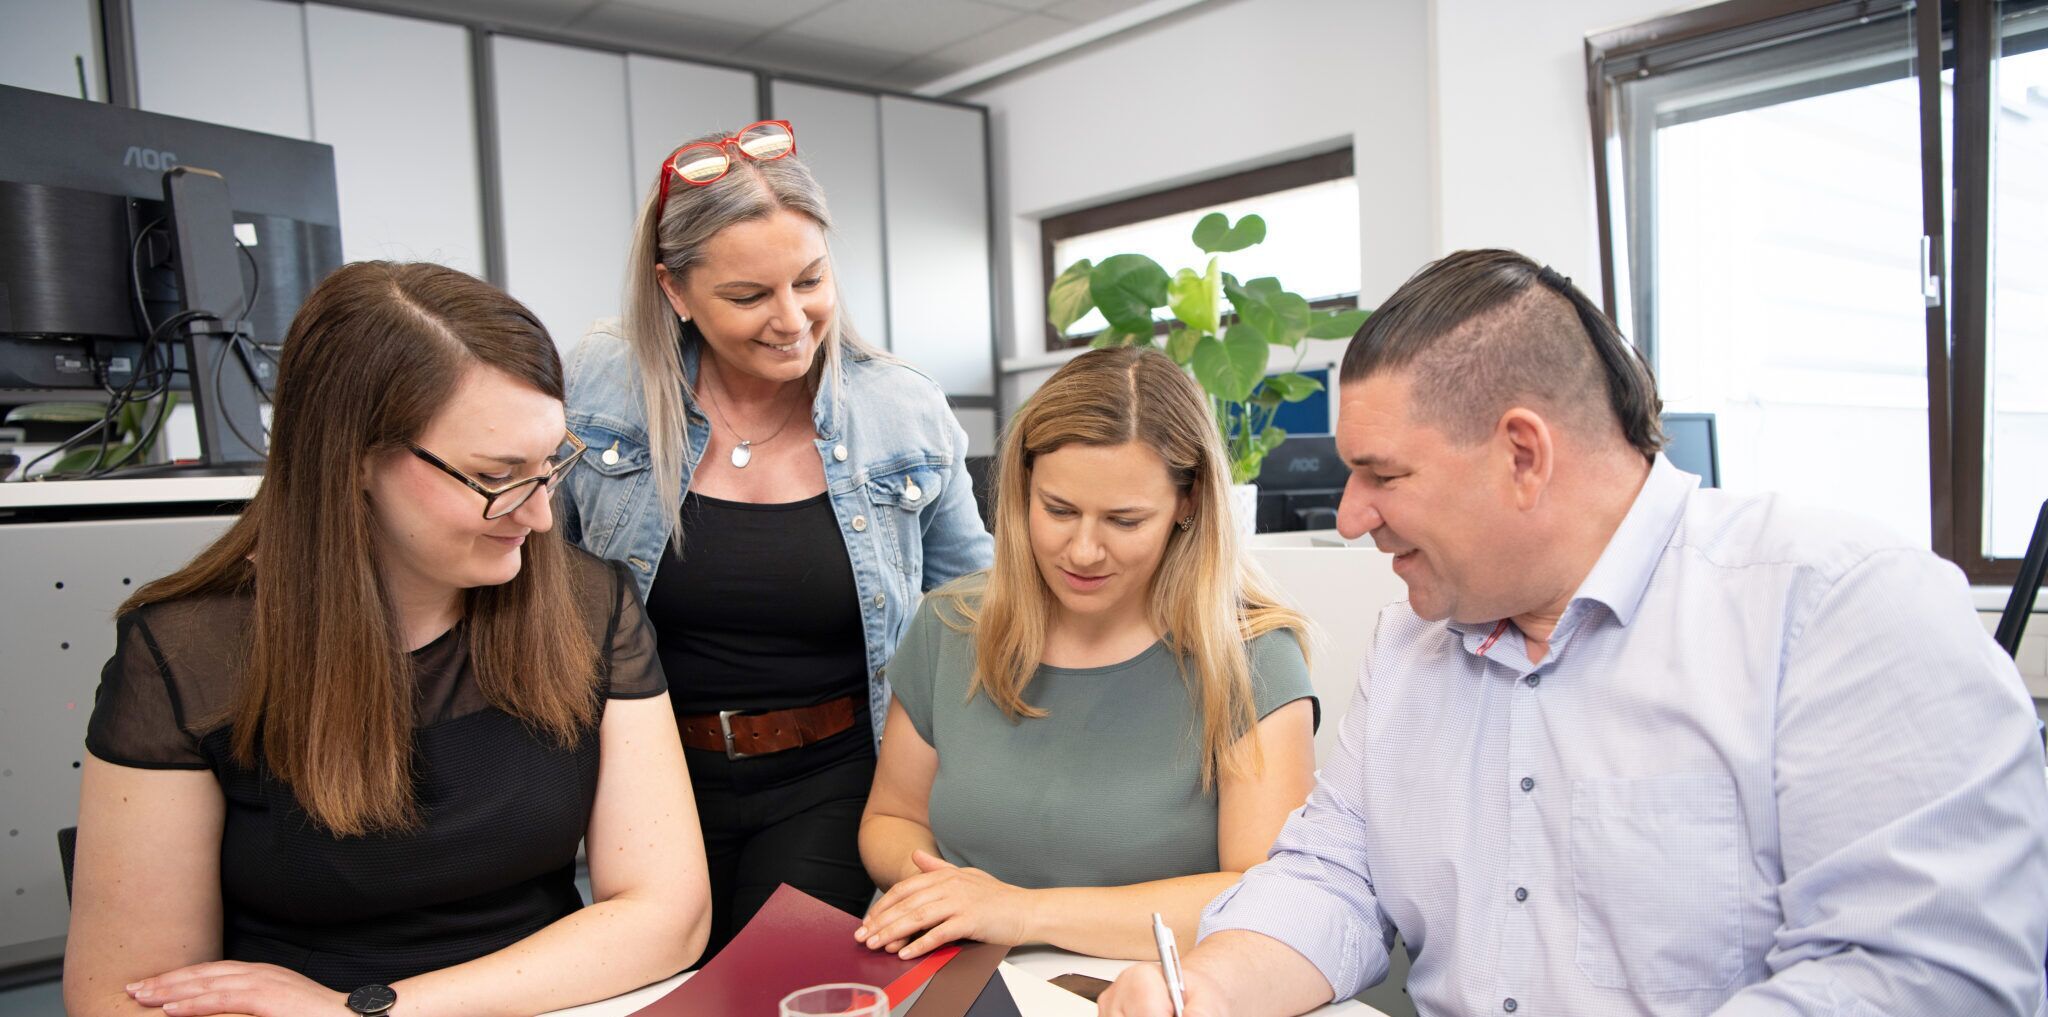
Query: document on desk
[{"x": 794, "y": 942}]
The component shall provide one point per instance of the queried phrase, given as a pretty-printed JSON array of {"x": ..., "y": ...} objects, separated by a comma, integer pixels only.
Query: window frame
[
  {"x": 1321, "y": 167},
  {"x": 1963, "y": 39}
]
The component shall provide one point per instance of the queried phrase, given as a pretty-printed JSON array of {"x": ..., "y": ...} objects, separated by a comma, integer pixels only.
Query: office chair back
[
  {"x": 67, "y": 846},
  {"x": 2013, "y": 623}
]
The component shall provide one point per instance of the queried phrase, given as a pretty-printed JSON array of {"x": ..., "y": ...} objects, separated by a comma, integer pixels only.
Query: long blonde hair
[
  {"x": 326, "y": 698},
  {"x": 692, "y": 217},
  {"x": 1208, "y": 597}
]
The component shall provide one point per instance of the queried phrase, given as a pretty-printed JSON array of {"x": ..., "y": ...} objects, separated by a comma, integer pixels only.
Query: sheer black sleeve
[
  {"x": 137, "y": 716},
  {"x": 633, "y": 666}
]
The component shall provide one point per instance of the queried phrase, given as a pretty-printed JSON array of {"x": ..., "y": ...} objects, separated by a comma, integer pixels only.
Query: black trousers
[{"x": 787, "y": 817}]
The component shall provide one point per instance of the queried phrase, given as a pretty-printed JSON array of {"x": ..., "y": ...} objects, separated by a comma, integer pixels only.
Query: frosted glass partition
[
  {"x": 565, "y": 188},
  {"x": 408, "y": 184},
  {"x": 838, "y": 134},
  {"x": 673, "y": 101},
  {"x": 241, "y": 63},
  {"x": 935, "y": 193},
  {"x": 43, "y": 43}
]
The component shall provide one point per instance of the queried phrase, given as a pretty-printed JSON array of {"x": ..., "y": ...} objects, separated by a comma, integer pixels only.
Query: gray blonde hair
[{"x": 692, "y": 217}]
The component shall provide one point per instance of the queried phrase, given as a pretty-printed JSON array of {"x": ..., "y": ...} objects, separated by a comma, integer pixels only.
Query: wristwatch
[{"x": 372, "y": 1000}]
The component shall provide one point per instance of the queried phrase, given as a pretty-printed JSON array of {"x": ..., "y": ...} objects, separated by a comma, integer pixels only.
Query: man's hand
[{"x": 1141, "y": 992}]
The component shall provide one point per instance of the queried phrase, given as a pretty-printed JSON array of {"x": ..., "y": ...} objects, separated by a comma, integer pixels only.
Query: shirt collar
[{"x": 1622, "y": 574}]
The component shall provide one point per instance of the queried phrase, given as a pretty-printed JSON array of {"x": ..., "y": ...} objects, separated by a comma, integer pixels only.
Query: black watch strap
[{"x": 372, "y": 1000}]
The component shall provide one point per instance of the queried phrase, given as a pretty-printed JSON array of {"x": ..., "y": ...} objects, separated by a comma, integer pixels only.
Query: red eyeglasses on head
[{"x": 707, "y": 162}]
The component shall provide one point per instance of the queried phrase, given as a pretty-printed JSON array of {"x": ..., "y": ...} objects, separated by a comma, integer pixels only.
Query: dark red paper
[{"x": 794, "y": 942}]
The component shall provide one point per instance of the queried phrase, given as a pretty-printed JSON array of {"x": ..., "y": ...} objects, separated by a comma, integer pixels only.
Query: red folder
[{"x": 794, "y": 942}]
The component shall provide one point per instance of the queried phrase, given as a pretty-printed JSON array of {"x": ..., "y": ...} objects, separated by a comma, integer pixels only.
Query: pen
[{"x": 1169, "y": 959}]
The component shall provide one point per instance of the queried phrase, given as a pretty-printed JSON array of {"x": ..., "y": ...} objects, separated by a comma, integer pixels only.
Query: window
[
  {"x": 1777, "y": 223},
  {"x": 1311, "y": 210}
]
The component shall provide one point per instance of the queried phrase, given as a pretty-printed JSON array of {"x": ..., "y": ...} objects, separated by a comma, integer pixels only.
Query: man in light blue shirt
[{"x": 1631, "y": 747}]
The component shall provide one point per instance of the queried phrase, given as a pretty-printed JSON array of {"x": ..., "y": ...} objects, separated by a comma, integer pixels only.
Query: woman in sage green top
[{"x": 1113, "y": 720}]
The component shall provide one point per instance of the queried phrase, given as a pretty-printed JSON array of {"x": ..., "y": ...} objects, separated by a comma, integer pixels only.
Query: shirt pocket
[
  {"x": 614, "y": 470},
  {"x": 900, "y": 496},
  {"x": 1657, "y": 869}
]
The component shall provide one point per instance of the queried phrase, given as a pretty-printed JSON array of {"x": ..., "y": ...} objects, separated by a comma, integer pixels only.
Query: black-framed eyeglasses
[{"x": 505, "y": 499}]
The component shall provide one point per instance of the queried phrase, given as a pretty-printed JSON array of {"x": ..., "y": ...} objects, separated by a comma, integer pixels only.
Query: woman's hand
[
  {"x": 216, "y": 987},
  {"x": 945, "y": 903}
]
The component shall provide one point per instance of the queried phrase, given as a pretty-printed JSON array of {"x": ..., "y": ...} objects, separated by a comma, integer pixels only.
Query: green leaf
[
  {"x": 1180, "y": 345},
  {"x": 1195, "y": 298},
  {"x": 1068, "y": 300},
  {"x": 1229, "y": 368},
  {"x": 1292, "y": 387},
  {"x": 1337, "y": 324},
  {"x": 1215, "y": 235},
  {"x": 1125, "y": 288},
  {"x": 1269, "y": 439},
  {"x": 1113, "y": 337},
  {"x": 1280, "y": 316},
  {"x": 1268, "y": 397}
]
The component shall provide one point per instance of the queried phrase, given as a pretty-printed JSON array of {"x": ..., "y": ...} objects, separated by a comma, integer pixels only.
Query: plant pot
[{"x": 1244, "y": 507}]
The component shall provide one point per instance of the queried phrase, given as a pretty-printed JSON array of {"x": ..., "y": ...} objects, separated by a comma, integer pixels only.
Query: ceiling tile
[
  {"x": 627, "y": 23},
  {"x": 907, "y": 27},
  {"x": 820, "y": 58},
  {"x": 522, "y": 13},
  {"x": 1090, "y": 10},
  {"x": 760, "y": 13},
  {"x": 1009, "y": 38},
  {"x": 1023, "y": 5}
]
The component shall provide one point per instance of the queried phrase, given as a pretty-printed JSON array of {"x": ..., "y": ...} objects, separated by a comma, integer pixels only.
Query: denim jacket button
[
  {"x": 860, "y": 524},
  {"x": 610, "y": 456},
  {"x": 880, "y": 600},
  {"x": 839, "y": 453},
  {"x": 911, "y": 492}
]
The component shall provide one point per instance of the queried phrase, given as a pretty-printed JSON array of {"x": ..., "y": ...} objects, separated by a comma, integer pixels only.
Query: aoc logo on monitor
[{"x": 149, "y": 158}]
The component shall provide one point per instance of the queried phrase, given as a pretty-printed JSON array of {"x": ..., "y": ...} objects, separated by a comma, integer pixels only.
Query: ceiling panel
[
  {"x": 760, "y": 13},
  {"x": 819, "y": 58},
  {"x": 628, "y": 23},
  {"x": 909, "y": 28}
]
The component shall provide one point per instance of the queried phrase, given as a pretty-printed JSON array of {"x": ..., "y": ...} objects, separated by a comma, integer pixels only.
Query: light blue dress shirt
[{"x": 1772, "y": 764}]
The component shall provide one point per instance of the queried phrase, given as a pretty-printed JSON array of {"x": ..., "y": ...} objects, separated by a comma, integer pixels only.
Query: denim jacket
[{"x": 895, "y": 472}]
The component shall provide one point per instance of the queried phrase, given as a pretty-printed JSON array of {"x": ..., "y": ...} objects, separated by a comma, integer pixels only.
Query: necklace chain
[{"x": 743, "y": 441}]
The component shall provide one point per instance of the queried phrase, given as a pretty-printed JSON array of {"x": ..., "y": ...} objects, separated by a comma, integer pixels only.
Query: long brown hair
[
  {"x": 1208, "y": 597},
  {"x": 326, "y": 695},
  {"x": 675, "y": 236}
]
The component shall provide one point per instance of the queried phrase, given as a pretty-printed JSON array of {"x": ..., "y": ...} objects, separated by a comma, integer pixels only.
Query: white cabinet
[
  {"x": 564, "y": 187},
  {"x": 673, "y": 101},
  {"x": 45, "y": 43},
  {"x": 236, "y": 62},
  {"x": 839, "y": 136},
  {"x": 393, "y": 95},
  {"x": 935, "y": 202}
]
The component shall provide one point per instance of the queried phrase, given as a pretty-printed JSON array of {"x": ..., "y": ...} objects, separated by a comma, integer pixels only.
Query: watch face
[{"x": 372, "y": 999}]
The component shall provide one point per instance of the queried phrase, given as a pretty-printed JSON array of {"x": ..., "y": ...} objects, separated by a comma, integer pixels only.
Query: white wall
[
  {"x": 1229, "y": 86},
  {"x": 43, "y": 42}
]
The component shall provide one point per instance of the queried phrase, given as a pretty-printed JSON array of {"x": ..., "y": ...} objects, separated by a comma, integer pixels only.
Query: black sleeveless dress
[{"x": 502, "y": 808}]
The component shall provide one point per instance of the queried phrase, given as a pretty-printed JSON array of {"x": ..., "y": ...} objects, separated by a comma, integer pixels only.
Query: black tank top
[{"x": 760, "y": 611}]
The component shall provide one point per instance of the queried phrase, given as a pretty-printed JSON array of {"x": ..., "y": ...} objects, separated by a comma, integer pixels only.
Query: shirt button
[
  {"x": 860, "y": 524},
  {"x": 1528, "y": 783},
  {"x": 911, "y": 492},
  {"x": 1508, "y": 1004},
  {"x": 1535, "y": 680},
  {"x": 839, "y": 453},
  {"x": 879, "y": 601},
  {"x": 610, "y": 456},
  {"x": 1521, "y": 894}
]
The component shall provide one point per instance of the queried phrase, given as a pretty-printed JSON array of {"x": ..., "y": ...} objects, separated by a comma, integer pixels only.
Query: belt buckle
[{"x": 725, "y": 728}]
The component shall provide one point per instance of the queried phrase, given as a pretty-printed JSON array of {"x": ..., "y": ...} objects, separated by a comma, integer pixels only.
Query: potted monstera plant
[{"x": 1230, "y": 353}]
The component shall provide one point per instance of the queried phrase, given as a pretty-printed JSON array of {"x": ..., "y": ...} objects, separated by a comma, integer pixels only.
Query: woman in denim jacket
[{"x": 782, "y": 492}]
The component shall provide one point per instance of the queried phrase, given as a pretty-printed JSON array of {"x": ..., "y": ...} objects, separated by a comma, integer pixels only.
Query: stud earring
[{"x": 1187, "y": 524}]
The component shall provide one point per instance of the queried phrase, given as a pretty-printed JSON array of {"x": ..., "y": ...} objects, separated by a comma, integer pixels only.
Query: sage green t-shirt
[{"x": 1105, "y": 790}]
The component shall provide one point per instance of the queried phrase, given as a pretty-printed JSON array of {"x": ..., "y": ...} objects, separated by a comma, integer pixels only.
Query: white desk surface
[
  {"x": 151, "y": 491},
  {"x": 1040, "y": 961}
]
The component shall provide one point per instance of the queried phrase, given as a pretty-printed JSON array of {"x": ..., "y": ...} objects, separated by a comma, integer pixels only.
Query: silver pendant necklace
[{"x": 743, "y": 452}]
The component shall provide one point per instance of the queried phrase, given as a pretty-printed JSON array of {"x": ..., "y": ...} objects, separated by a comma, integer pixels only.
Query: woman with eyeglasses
[
  {"x": 1113, "y": 721},
  {"x": 781, "y": 492},
  {"x": 341, "y": 762}
]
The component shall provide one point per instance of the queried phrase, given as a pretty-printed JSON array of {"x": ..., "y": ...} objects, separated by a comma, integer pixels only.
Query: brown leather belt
[{"x": 740, "y": 734}]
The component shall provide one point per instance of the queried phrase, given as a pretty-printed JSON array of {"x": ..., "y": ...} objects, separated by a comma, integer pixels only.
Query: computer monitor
[
  {"x": 1690, "y": 443},
  {"x": 87, "y": 244}
]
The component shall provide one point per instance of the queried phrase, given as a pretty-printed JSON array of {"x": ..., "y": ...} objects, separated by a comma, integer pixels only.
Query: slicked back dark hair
[{"x": 1482, "y": 331}]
